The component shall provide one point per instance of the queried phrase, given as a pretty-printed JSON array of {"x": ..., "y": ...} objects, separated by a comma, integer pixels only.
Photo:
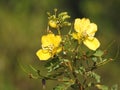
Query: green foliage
[
  {"x": 63, "y": 86},
  {"x": 102, "y": 87},
  {"x": 98, "y": 53},
  {"x": 114, "y": 87}
]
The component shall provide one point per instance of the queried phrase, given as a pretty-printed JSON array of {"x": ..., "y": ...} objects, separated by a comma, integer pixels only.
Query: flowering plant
[{"x": 66, "y": 58}]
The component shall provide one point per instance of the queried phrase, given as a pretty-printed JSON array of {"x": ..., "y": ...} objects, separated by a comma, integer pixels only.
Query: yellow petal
[
  {"x": 51, "y": 39},
  {"x": 43, "y": 54},
  {"x": 46, "y": 41},
  {"x": 77, "y": 25},
  {"x": 74, "y": 35},
  {"x": 90, "y": 38},
  {"x": 91, "y": 29},
  {"x": 56, "y": 41},
  {"x": 80, "y": 25},
  {"x": 59, "y": 49},
  {"x": 55, "y": 51},
  {"x": 92, "y": 44}
]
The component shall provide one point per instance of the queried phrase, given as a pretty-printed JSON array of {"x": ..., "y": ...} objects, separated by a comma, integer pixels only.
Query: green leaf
[
  {"x": 103, "y": 62},
  {"x": 33, "y": 68},
  {"x": 63, "y": 86},
  {"x": 75, "y": 87},
  {"x": 102, "y": 87},
  {"x": 114, "y": 87},
  {"x": 98, "y": 53},
  {"x": 94, "y": 59},
  {"x": 89, "y": 84},
  {"x": 95, "y": 76},
  {"x": 55, "y": 74},
  {"x": 53, "y": 64},
  {"x": 59, "y": 87},
  {"x": 81, "y": 70}
]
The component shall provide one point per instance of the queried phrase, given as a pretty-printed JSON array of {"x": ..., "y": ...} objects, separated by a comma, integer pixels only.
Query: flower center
[
  {"x": 49, "y": 47},
  {"x": 84, "y": 35}
]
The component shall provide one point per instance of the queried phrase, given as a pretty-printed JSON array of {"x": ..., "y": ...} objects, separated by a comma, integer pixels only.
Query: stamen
[{"x": 49, "y": 47}]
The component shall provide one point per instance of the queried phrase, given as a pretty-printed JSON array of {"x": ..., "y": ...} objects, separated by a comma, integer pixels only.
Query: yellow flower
[
  {"x": 85, "y": 32},
  {"x": 50, "y": 46}
]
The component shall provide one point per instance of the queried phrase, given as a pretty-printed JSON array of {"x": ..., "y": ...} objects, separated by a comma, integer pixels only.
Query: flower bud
[{"x": 52, "y": 23}]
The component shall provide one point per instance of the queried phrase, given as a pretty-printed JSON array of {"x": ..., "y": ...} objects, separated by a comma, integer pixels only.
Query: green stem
[{"x": 58, "y": 29}]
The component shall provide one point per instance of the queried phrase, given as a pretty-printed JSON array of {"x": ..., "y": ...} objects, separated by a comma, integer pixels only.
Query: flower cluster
[
  {"x": 84, "y": 31},
  {"x": 68, "y": 61}
]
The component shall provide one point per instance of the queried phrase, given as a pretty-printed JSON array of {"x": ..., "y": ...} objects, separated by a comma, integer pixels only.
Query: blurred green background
[{"x": 23, "y": 22}]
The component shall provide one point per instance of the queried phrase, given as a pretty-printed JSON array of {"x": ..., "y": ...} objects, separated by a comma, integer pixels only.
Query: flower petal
[
  {"x": 92, "y": 44},
  {"x": 56, "y": 40},
  {"x": 80, "y": 25},
  {"x": 43, "y": 54},
  {"x": 59, "y": 49},
  {"x": 91, "y": 29},
  {"x": 47, "y": 40},
  {"x": 75, "y": 35},
  {"x": 51, "y": 39}
]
